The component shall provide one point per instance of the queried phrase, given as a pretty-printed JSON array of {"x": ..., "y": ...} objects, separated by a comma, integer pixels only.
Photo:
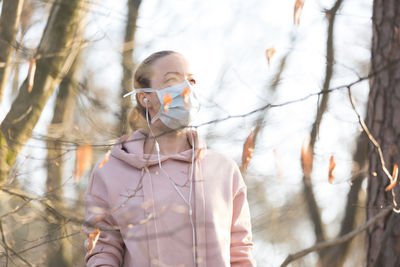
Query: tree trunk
[
  {"x": 26, "y": 21},
  {"x": 128, "y": 64},
  {"x": 60, "y": 253},
  {"x": 9, "y": 22},
  {"x": 383, "y": 121},
  {"x": 56, "y": 52}
]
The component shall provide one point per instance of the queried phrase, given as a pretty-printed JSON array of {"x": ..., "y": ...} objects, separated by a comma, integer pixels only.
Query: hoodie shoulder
[
  {"x": 222, "y": 160},
  {"x": 223, "y": 171}
]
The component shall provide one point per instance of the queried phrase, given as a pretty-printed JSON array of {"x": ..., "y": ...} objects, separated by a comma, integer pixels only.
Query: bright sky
[{"x": 230, "y": 37}]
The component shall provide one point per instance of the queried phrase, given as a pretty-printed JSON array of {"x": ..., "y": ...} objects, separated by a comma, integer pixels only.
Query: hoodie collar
[{"x": 129, "y": 148}]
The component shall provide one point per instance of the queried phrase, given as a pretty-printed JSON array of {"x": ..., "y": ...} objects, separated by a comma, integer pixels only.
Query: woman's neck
[{"x": 170, "y": 142}]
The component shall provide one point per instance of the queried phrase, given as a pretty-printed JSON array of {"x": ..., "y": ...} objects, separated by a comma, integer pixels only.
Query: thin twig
[
  {"x": 27, "y": 198},
  {"x": 57, "y": 212},
  {"x": 41, "y": 244},
  {"x": 215, "y": 121},
  {"x": 8, "y": 248},
  {"x": 16, "y": 209},
  {"x": 3, "y": 238},
  {"x": 337, "y": 241},
  {"x": 376, "y": 144}
]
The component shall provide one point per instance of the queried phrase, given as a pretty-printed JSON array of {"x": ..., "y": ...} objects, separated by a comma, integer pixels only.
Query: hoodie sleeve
[
  {"x": 241, "y": 236},
  {"x": 109, "y": 249}
]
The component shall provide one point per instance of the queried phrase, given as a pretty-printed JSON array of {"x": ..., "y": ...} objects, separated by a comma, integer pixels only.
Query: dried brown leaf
[
  {"x": 248, "y": 150},
  {"x": 395, "y": 174},
  {"x": 306, "y": 158},
  {"x": 31, "y": 74},
  {"x": 332, "y": 166},
  {"x": 83, "y": 158},
  {"x": 298, "y": 7},
  {"x": 105, "y": 159},
  {"x": 270, "y": 52},
  {"x": 93, "y": 237}
]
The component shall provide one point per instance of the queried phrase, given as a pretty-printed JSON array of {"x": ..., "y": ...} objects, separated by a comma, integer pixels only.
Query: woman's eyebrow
[
  {"x": 177, "y": 73},
  {"x": 173, "y": 72}
]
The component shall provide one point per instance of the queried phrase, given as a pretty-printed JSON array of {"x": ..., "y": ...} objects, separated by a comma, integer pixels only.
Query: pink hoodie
[{"x": 145, "y": 222}]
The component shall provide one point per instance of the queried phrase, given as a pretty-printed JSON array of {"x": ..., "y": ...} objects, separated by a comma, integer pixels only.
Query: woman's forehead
[{"x": 171, "y": 64}]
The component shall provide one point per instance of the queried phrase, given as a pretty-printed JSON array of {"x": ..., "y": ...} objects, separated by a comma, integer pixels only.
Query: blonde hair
[{"x": 142, "y": 79}]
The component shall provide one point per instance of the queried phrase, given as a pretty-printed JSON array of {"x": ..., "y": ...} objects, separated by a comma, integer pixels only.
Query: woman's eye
[{"x": 192, "y": 81}]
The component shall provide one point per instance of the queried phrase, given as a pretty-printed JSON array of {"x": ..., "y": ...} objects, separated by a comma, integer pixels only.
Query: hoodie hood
[{"x": 129, "y": 148}]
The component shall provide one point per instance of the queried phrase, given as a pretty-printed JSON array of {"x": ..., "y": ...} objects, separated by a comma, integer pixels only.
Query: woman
[{"x": 162, "y": 198}]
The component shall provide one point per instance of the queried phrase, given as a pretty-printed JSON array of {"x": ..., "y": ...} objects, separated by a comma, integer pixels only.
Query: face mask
[{"x": 179, "y": 104}]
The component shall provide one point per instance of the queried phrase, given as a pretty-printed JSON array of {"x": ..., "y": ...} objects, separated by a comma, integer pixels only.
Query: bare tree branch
[
  {"x": 5, "y": 243},
  {"x": 378, "y": 147},
  {"x": 307, "y": 183},
  {"x": 244, "y": 115},
  {"x": 8, "y": 248},
  {"x": 43, "y": 243},
  {"x": 286, "y": 103},
  {"x": 339, "y": 240}
]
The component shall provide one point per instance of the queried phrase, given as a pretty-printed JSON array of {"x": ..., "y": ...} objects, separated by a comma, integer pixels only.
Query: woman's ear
[{"x": 144, "y": 100}]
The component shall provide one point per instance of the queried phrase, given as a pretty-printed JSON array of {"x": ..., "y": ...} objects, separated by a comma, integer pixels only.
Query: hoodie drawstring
[{"x": 154, "y": 214}]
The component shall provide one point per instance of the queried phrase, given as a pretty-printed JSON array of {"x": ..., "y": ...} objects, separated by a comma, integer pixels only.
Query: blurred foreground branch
[
  {"x": 286, "y": 103},
  {"x": 244, "y": 115}
]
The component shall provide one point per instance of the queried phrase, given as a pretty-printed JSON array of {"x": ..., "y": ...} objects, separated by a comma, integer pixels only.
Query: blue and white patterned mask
[{"x": 179, "y": 104}]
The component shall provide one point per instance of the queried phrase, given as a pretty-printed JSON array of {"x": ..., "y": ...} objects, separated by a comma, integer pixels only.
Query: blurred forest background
[{"x": 302, "y": 94}]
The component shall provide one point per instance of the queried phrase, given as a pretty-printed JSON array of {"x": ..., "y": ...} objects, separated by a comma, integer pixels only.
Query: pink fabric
[{"x": 143, "y": 220}]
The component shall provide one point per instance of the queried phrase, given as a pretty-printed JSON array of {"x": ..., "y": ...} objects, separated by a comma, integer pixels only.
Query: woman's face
[{"x": 165, "y": 72}]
